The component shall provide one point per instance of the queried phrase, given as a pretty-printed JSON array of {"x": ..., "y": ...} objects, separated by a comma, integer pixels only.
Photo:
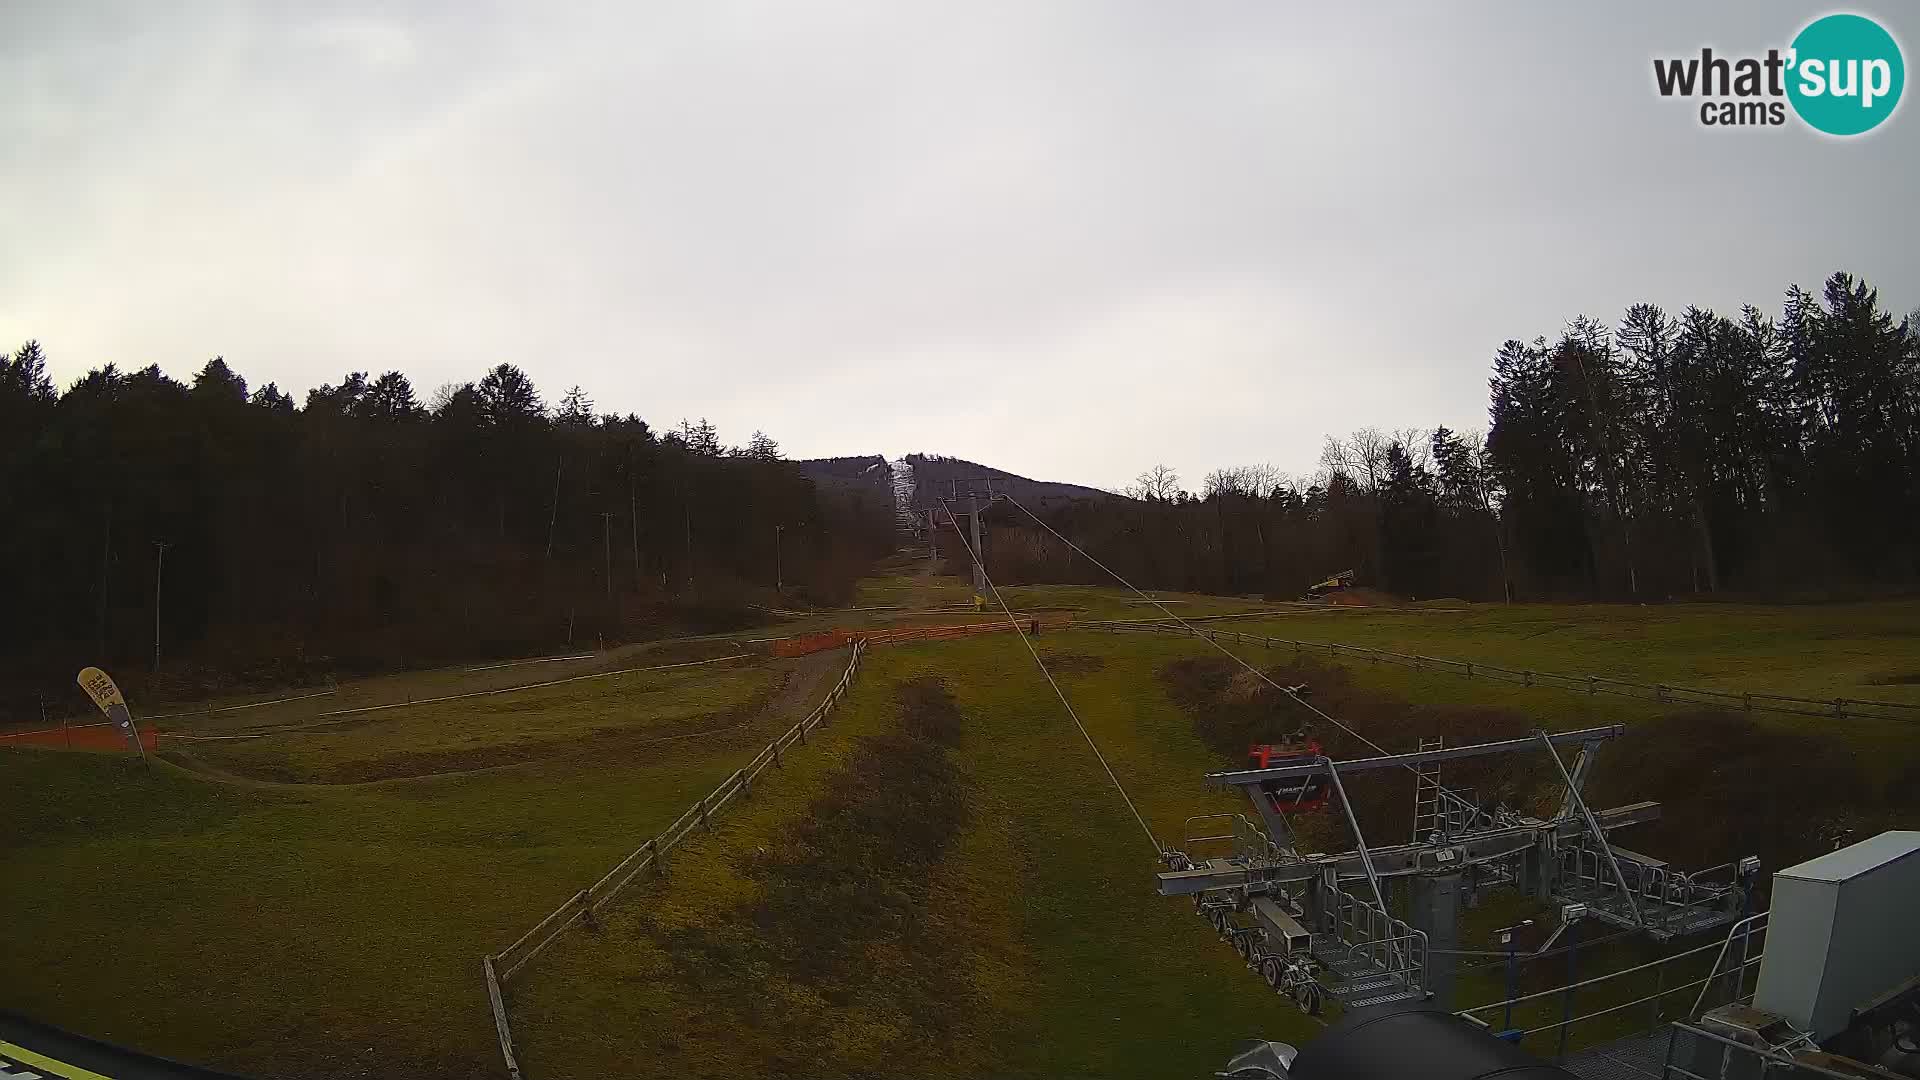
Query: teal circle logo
[{"x": 1846, "y": 74}]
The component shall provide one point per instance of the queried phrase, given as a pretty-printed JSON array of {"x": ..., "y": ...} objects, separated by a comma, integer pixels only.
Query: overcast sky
[{"x": 1070, "y": 240}]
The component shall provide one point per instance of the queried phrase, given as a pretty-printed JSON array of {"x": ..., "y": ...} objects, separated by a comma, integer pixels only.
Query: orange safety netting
[{"x": 80, "y": 737}]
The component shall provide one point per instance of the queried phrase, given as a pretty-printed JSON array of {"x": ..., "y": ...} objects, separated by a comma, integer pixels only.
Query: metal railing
[
  {"x": 1715, "y": 1057},
  {"x": 1188, "y": 838},
  {"x": 1246, "y": 839},
  {"x": 1742, "y": 934},
  {"x": 1661, "y": 884},
  {"x": 1389, "y": 944},
  {"x": 1747, "y": 701},
  {"x": 499, "y": 968}
]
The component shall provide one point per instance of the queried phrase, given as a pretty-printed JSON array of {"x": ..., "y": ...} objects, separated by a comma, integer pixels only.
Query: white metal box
[{"x": 1844, "y": 928}]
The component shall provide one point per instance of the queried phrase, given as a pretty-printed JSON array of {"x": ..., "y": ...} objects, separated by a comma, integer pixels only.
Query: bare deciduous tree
[{"x": 1160, "y": 483}]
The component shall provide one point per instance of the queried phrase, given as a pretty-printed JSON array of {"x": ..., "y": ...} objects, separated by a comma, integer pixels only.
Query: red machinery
[{"x": 1309, "y": 792}]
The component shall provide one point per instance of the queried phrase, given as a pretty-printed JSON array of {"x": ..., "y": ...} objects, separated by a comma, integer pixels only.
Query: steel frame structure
[{"x": 1297, "y": 921}]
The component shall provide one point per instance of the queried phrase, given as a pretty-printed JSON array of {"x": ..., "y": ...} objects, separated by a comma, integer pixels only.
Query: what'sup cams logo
[{"x": 1842, "y": 75}]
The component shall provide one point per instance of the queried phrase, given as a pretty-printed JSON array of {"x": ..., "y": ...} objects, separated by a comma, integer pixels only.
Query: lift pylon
[{"x": 1317, "y": 927}]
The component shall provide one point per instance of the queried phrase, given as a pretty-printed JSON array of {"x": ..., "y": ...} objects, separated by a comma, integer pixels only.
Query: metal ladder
[{"x": 1428, "y": 814}]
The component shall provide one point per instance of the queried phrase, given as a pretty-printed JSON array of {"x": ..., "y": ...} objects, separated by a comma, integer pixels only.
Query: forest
[
  {"x": 195, "y": 536},
  {"x": 1696, "y": 455}
]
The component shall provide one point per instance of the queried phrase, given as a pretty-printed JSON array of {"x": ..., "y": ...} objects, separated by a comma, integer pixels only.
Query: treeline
[
  {"x": 366, "y": 529},
  {"x": 1665, "y": 456}
]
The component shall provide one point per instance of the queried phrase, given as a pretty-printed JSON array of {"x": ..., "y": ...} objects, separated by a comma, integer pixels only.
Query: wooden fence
[
  {"x": 833, "y": 639},
  {"x": 499, "y": 968},
  {"x": 1748, "y": 701}
]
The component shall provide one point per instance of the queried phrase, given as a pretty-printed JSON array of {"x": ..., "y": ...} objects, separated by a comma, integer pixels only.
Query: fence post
[
  {"x": 746, "y": 783},
  {"x": 500, "y": 1017},
  {"x": 1269, "y": 642},
  {"x": 1526, "y": 678},
  {"x": 1747, "y": 699},
  {"x": 1593, "y": 685},
  {"x": 1840, "y": 707},
  {"x": 704, "y": 823},
  {"x": 1566, "y": 1000},
  {"x": 1469, "y": 669}
]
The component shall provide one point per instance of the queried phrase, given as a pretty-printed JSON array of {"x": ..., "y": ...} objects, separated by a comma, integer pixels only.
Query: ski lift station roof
[{"x": 1855, "y": 859}]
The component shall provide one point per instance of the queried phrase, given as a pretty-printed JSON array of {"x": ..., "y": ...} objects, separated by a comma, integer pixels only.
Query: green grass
[
  {"x": 1092, "y": 974},
  {"x": 616, "y": 714},
  {"x": 1084, "y": 601},
  {"x": 316, "y": 925},
  {"x": 1075, "y": 966},
  {"x": 308, "y": 704},
  {"x": 1826, "y": 651},
  {"x": 1822, "y": 652},
  {"x": 312, "y": 931}
]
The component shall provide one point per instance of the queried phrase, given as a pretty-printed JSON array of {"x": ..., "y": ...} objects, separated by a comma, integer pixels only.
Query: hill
[
  {"x": 861, "y": 468},
  {"x": 859, "y": 485},
  {"x": 932, "y": 474}
]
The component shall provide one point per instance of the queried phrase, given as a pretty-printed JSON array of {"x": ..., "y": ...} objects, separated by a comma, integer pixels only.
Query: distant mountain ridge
[
  {"x": 932, "y": 476},
  {"x": 865, "y": 474}
]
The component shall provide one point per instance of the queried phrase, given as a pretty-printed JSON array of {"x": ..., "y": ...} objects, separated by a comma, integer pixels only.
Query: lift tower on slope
[
  {"x": 1318, "y": 926},
  {"x": 978, "y": 491}
]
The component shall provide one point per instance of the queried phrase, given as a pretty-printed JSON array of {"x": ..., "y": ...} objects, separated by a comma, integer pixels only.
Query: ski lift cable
[
  {"x": 1289, "y": 691},
  {"x": 1024, "y": 640}
]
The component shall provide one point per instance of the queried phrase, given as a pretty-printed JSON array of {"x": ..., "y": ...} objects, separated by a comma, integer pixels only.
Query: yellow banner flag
[{"x": 99, "y": 686}]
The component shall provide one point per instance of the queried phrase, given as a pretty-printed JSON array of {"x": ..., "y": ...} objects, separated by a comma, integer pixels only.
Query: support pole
[
  {"x": 553, "y": 511},
  {"x": 159, "y": 569},
  {"x": 1436, "y": 912},
  {"x": 979, "y": 564},
  {"x": 1506, "y": 1022},
  {"x": 1359, "y": 841},
  {"x": 1593, "y": 827},
  {"x": 606, "y": 531},
  {"x": 1573, "y": 976}
]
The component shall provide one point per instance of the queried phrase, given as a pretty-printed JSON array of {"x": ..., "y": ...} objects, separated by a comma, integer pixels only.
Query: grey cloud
[{"x": 1069, "y": 239}]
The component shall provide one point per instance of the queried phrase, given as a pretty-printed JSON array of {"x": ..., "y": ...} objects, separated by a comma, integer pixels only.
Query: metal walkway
[
  {"x": 1356, "y": 981},
  {"x": 1635, "y": 1057}
]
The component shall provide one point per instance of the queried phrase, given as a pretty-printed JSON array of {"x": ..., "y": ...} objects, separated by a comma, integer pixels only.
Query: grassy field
[
  {"x": 1067, "y": 962},
  {"x": 1073, "y": 966},
  {"x": 609, "y": 717},
  {"x": 318, "y": 930},
  {"x": 971, "y": 896},
  {"x": 1826, "y": 651},
  {"x": 1867, "y": 651},
  {"x": 911, "y": 591}
]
